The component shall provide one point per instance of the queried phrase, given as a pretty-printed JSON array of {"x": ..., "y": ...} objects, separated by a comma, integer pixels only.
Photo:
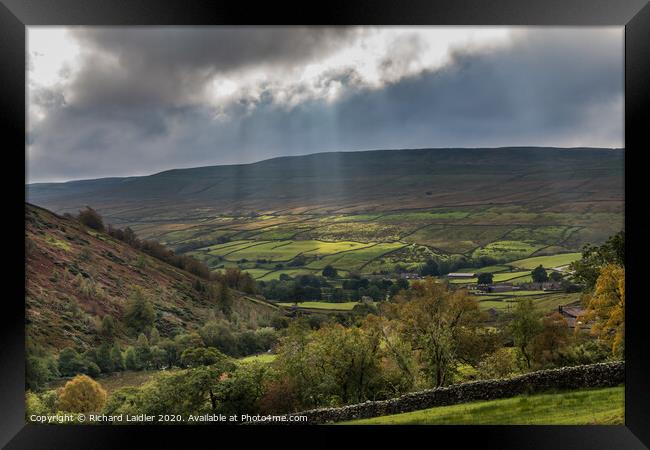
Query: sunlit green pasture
[
  {"x": 547, "y": 261},
  {"x": 603, "y": 406}
]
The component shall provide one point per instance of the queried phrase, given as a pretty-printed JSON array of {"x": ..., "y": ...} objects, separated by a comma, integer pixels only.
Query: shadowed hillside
[
  {"x": 75, "y": 276},
  {"x": 368, "y": 181}
]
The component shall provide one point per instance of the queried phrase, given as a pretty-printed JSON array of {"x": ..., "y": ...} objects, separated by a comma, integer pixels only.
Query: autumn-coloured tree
[
  {"x": 82, "y": 394},
  {"x": 436, "y": 321},
  {"x": 606, "y": 308},
  {"x": 553, "y": 337}
]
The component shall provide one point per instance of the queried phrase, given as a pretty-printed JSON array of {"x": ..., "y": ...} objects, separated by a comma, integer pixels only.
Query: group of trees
[
  {"x": 312, "y": 287},
  {"x": 543, "y": 341},
  {"x": 442, "y": 266},
  {"x": 601, "y": 272},
  {"x": 150, "y": 351}
]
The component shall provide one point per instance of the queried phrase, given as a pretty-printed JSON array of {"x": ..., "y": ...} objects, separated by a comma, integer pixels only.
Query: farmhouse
[{"x": 461, "y": 275}]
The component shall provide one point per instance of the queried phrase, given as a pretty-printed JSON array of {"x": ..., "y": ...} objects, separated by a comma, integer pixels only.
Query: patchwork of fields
[
  {"x": 369, "y": 212},
  {"x": 304, "y": 243}
]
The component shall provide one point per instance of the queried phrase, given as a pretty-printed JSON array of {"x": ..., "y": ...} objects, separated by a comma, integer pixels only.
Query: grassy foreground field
[{"x": 603, "y": 406}]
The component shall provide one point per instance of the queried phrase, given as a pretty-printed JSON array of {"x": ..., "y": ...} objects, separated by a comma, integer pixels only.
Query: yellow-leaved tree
[
  {"x": 82, "y": 394},
  {"x": 606, "y": 308}
]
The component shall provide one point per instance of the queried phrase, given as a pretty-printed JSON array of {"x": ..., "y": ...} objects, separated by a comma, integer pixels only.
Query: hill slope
[
  {"x": 75, "y": 276},
  {"x": 389, "y": 207},
  {"x": 371, "y": 180}
]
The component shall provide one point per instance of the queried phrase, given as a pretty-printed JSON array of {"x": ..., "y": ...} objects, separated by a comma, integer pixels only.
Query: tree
[
  {"x": 430, "y": 268},
  {"x": 539, "y": 274},
  {"x": 117, "y": 358},
  {"x": 91, "y": 218},
  {"x": 37, "y": 372},
  {"x": 437, "y": 322},
  {"x": 139, "y": 314},
  {"x": 201, "y": 356},
  {"x": 606, "y": 308},
  {"x": 241, "y": 391},
  {"x": 71, "y": 363},
  {"x": 220, "y": 293},
  {"x": 498, "y": 364},
  {"x": 525, "y": 325},
  {"x": 555, "y": 276},
  {"x": 331, "y": 366},
  {"x": 587, "y": 269},
  {"x": 485, "y": 278},
  {"x": 184, "y": 392},
  {"x": 217, "y": 334},
  {"x": 159, "y": 357},
  {"x": 154, "y": 336},
  {"x": 553, "y": 337},
  {"x": 131, "y": 360},
  {"x": 329, "y": 271},
  {"x": 142, "y": 351},
  {"x": 104, "y": 359},
  {"x": 82, "y": 394},
  {"x": 107, "y": 328}
]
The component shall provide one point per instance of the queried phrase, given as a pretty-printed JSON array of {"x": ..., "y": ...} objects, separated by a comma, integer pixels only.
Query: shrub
[
  {"x": 82, "y": 394},
  {"x": 91, "y": 218}
]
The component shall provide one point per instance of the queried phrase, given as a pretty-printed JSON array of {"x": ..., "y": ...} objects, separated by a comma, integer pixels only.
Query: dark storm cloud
[
  {"x": 559, "y": 88},
  {"x": 163, "y": 65}
]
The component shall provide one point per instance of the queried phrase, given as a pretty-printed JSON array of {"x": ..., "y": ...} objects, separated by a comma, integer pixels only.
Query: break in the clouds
[{"x": 126, "y": 101}]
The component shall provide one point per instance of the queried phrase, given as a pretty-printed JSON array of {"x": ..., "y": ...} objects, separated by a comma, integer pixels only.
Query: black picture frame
[{"x": 15, "y": 15}]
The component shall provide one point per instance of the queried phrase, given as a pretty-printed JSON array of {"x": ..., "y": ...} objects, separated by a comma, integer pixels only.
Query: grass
[
  {"x": 57, "y": 243},
  {"x": 543, "y": 301},
  {"x": 583, "y": 407},
  {"x": 508, "y": 249},
  {"x": 547, "y": 261},
  {"x": 355, "y": 260},
  {"x": 344, "y": 306},
  {"x": 506, "y": 276},
  {"x": 265, "y": 358},
  {"x": 287, "y": 250}
]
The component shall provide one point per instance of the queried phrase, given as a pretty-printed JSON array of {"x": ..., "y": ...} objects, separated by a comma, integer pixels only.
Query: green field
[
  {"x": 265, "y": 358},
  {"x": 543, "y": 301},
  {"x": 604, "y": 406},
  {"x": 344, "y": 306},
  {"x": 547, "y": 261},
  {"x": 508, "y": 249},
  {"x": 506, "y": 276}
]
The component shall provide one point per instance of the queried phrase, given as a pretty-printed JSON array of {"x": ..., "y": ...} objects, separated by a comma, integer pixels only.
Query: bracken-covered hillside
[{"x": 75, "y": 276}]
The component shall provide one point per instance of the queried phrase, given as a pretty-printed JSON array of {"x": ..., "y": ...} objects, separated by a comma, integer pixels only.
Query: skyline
[{"x": 119, "y": 102}]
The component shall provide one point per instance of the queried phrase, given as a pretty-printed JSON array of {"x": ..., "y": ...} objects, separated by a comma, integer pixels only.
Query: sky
[{"x": 124, "y": 101}]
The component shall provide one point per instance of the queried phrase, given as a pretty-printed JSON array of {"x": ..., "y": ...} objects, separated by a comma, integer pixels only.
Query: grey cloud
[
  {"x": 559, "y": 88},
  {"x": 172, "y": 65}
]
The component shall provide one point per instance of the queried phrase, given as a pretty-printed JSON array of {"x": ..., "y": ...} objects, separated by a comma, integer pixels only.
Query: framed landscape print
[{"x": 374, "y": 218}]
